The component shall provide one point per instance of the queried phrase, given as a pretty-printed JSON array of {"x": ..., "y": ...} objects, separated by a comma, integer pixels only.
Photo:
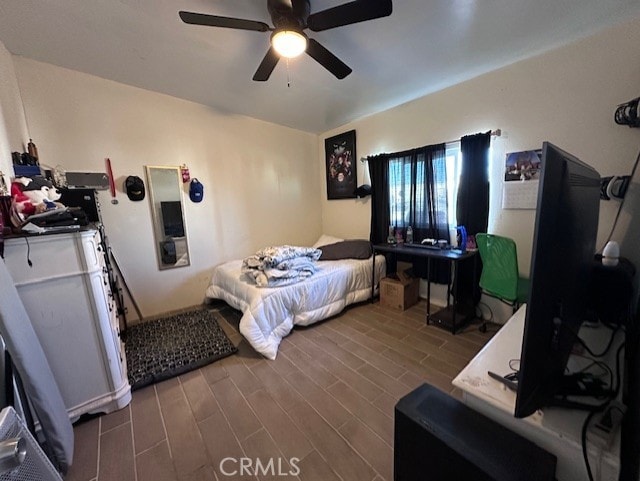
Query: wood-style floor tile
[
  {"x": 353, "y": 378},
  {"x": 242, "y": 377},
  {"x": 378, "y": 421},
  {"x": 373, "y": 358},
  {"x": 386, "y": 382},
  {"x": 184, "y": 437},
  {"x": 155, "y": 464},
  {"x": 327, "y": 400},
  {"x": 85, "y": 453},
  {"x": 235, "y": 407},
  {"x": 279, "y": 389},
  {"x": 314, "y": 468},
  {"x": 331, "y": 445},
  {"x": 281, "y": 428},
  {"x": 311, "y": 367},
  {"x": 372, "y": 449},
  {"x": 340, "y": 352},
  {"x": 148, "y": 427},
  {"x": 268, "y": 462},
  {"x": 199, "y": 395},
  {"x": 321, "y": 400},
  {"x": 222, "y": 446},
  {"x": 205, "y": 473},
  {"x": 115, "y": 419},
  {"x": 116, "y": 455}
]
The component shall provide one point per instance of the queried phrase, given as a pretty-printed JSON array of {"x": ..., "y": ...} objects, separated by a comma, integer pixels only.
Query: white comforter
[{"x": 269, "y": 314}]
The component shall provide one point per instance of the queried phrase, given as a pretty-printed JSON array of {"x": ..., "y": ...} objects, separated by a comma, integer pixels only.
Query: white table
[{"x": 555, "y": 429}]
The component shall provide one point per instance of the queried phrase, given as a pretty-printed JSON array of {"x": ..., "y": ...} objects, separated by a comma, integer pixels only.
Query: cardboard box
[{"x": 399, "y": 291}]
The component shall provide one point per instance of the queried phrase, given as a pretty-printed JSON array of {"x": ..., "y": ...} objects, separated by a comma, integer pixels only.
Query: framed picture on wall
[{"x": 340, "y": 155}]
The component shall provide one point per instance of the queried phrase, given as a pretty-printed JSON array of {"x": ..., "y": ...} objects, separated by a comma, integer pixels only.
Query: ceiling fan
[{"x": 290, "y": 18}]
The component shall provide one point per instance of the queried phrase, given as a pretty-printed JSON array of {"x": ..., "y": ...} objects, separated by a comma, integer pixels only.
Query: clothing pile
[{"x": 281, "y": 265}]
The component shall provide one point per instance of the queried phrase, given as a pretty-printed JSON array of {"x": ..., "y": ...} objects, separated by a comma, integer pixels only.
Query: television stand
[{"x": 556, "y": 430}]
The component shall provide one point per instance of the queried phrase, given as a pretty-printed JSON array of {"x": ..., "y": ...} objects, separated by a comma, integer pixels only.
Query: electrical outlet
[{"x": 602, "y": 431}]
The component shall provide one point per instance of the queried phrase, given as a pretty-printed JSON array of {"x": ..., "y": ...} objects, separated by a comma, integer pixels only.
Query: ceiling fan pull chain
[{"x": 288, "y": 77}]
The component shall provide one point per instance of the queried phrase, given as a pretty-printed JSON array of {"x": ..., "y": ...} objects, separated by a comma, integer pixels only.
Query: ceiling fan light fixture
[{"x": 289, "y": 43}]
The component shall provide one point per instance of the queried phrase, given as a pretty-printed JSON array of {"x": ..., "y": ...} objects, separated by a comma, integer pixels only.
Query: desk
[
  {"x": 445, "y": 317},
  {"x": 557, "y": 430}
]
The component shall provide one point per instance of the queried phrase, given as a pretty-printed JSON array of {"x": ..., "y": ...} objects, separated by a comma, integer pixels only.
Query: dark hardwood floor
[{"x": 323, "y": 410}]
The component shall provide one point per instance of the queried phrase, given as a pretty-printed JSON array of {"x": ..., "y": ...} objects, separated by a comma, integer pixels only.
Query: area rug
[{"x": 163, "y": 348}]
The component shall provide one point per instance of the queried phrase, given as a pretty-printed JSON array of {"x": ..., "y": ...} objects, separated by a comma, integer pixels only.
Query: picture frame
[{"x": 341, "y": 171}]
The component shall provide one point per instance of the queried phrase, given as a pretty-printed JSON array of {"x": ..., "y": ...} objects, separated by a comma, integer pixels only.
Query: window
[
  {"x": 454, "y": 165},
  {"x": 423, "y": 189}
]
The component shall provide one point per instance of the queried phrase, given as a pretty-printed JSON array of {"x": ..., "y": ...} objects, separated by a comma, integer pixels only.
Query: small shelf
[{"x": 444, "y": 318}]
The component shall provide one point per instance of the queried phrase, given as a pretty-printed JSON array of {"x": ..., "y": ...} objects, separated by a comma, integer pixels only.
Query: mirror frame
[{"x": 158, "y": 226}]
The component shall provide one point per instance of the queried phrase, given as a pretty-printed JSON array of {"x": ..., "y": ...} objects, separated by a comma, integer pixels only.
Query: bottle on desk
[
  {"x": 391, "y": 239},
  {"x": 409, "y": 235},
  {"x": 399, "y": 239}
]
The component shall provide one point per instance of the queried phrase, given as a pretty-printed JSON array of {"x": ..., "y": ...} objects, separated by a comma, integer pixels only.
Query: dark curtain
[
  {"x": 473, "y": 190},
  {"x": 472, "y": 210},
  {"x": 410, "y": 189},
  {"x": 379, "y": 173}
]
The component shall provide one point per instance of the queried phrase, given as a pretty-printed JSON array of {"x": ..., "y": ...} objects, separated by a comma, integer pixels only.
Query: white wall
[
  {"x": 567, "y": 96},
  {"x": 261, "y": 180},
  {"x": 13, "y": 127}
]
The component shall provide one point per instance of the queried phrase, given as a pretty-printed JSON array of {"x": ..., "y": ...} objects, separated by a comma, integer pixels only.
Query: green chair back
[{"x": 499, "y": 276}]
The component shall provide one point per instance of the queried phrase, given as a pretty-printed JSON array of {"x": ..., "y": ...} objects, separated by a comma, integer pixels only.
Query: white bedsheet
[{"x": 269, "y": 314}]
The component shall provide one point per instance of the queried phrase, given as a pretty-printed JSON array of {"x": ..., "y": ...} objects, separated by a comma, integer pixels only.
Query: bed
[{"x": 269, "y": 314}]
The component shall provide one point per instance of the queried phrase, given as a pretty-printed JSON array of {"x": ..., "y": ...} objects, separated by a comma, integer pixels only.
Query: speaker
[{"x": 438, "y": 438}]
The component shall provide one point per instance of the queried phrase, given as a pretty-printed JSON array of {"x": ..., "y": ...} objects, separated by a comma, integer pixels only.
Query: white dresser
[
  {"x": 557, "y": 430},
  {"x": 67, "y": 296}
]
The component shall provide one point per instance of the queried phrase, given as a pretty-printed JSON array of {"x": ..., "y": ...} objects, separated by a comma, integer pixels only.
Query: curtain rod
[{"x": 494, "y": 133}]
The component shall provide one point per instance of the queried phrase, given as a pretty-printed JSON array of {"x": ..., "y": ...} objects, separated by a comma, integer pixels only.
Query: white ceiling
[{"x": 424, "y": 46}]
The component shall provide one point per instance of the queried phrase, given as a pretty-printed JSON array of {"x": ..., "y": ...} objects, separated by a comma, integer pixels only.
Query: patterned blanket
[{"x": 281, "y": 265}]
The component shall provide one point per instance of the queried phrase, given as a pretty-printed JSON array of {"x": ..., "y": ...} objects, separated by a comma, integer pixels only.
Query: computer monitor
[{"x": 561, "y": 262}]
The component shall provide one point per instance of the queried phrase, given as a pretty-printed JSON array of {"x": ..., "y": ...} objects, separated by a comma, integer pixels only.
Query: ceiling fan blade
[
  {"x": 266, "y": 66},
  {"x": 352, "y": 12},
  {"x": 328, "y": 60},
  {"x": 227, "y": 22}
]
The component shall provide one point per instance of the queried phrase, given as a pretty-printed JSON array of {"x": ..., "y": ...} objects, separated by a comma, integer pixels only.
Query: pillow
[
  {"x": 326, "y": 240},
  {"x": 348, "y": 249}
]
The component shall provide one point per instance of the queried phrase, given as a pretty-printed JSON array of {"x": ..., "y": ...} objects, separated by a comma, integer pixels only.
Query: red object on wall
[{"x": 186, "y": 176}]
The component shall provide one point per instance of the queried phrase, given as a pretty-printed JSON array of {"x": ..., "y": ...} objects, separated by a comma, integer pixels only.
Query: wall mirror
[{"x": 167, "y": 211}]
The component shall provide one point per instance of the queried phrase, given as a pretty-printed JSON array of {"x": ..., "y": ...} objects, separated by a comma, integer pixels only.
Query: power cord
[
  {"x": 597, "y": 409},
  {"x": 583, "y": 436},
  {"x": 605, "y": 370},
  {"x": 483, "y": 326},
  {"x": 512, "y": 363},
  {"x": 588, "y": 349},
  {"x": 26, "y": 239}
]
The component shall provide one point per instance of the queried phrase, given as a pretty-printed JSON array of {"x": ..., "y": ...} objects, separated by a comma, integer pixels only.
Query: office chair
[{"x": 500, "y": 278}]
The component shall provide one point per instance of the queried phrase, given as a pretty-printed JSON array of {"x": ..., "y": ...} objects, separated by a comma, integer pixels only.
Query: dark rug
[{"x": 164, "y": 348}]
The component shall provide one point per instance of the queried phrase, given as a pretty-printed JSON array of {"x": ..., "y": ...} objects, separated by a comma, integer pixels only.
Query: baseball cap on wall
[
  {"x": 196, "y": 191},
  {"x": 134, "y": 187}
]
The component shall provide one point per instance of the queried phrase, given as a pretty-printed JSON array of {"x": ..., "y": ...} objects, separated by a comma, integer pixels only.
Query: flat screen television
[
  {"x": 172, "y": 218},
  {"x": 563, "y": 253}
]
